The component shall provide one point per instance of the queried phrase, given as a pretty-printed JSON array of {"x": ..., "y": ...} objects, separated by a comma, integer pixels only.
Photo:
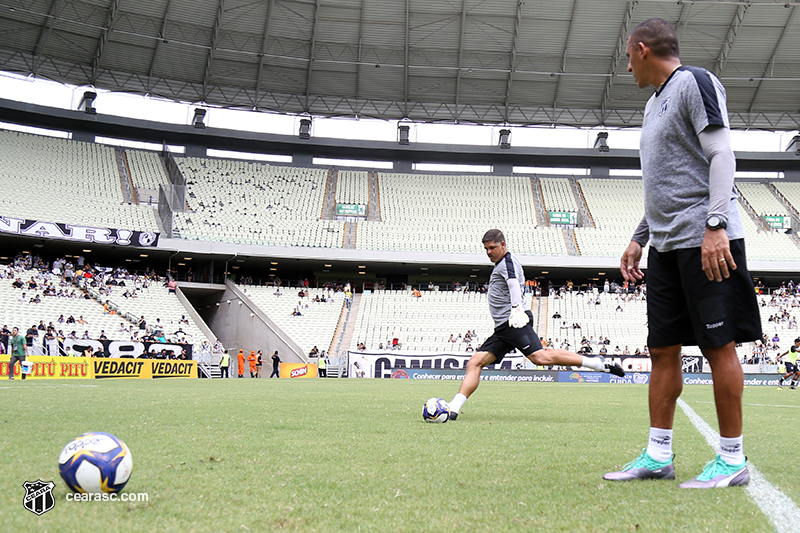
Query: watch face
[{"x": 713, "y": 222}]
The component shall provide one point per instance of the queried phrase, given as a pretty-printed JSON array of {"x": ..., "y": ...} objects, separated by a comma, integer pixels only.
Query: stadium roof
[{"x": 521, "y": 62}]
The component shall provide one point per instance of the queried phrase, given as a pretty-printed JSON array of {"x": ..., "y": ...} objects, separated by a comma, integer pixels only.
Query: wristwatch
[{"x": 715, "y": 222}]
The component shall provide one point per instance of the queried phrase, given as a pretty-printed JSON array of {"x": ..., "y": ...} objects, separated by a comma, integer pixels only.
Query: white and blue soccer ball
[
  {"x": 436, "y": 411},
  {"x": 95, "y": 463}
]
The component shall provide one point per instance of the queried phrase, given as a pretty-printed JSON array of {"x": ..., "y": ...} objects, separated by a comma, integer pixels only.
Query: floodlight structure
[
  {"x": 794, "y": 145},
  {"x": 601, "y": 142},
  {"x": 505, "y": 139},
  {"x": 87, "y": 103},
  {"x": 305, "y": 128},
  {"x": 402, "y": 134},
  {"x": 199, "y": 116}
]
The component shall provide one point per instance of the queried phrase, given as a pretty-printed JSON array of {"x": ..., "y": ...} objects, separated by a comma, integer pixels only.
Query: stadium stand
[
  {"x": 16, "y": 313},
  {"x": 759, "y": 196},
  {"x": 767, "y": 245},
  {"x": 147, "y": 170},
  {"x": 267, "y": 204},
  {"x": 419, "y": 322},
  {"x": 611, "y": 203},
  {"x": 626, "y": 327},
  {"x": 778, "y": 320},
  {"x": 450, "y": 213},
  {"x": 78, "y": 182},
  {"x": 84, "y": 299},
  {"x": 317, "y": 322},
  {"x": 616, "y": 207},
  {"x": 155, "y": 303},
  {"x": 352, "y": 187},
  {"x": 557, "y": 194},
  {"x": 255, "y": 203},
  {"x": 790, "y": 191}
]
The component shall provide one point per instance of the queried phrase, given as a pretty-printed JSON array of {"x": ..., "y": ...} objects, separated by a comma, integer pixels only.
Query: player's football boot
[
  {"x": 718, "y": 473},
  {"x": 613, "y": 368},
  {"x": 453, "y": 415},
  {"x": 644, "y": 467}
]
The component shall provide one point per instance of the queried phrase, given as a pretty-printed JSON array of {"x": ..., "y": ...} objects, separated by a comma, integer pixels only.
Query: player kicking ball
[{"x": 512, "y": 325}]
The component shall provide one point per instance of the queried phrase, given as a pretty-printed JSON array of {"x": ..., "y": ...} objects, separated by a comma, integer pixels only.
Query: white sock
[
  {"x": 595, "y": 363},
  {"x": 731, "y": 450},
  {"x": 659, "y": 446},
  {"x": 458, "y": 402}
]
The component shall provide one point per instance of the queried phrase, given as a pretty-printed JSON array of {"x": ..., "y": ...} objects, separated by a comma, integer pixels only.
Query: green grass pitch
[{"x": 354, "y": 455}]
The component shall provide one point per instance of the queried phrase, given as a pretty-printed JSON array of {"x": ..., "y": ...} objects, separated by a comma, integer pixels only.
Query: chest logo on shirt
[{"x": 664, "y": 107}]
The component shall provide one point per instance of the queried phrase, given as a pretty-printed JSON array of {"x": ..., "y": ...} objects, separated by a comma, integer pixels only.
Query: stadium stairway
[
  {"x": 348, "y": 319},
  {"x": 539, "y": 309},
  {"x": 538, "y": 201},
  {"x": 586, "y": 219},
  {"x": 350, "y": 235},
  {"x": 126, "y": 185},
  {"x": 374, "y": 208},
  {"x": 329, "y": 206},
  {"x": 790, "y": 208},
  {"x": 569, "y": 242}
]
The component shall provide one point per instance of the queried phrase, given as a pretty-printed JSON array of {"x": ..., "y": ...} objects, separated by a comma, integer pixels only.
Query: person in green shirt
[
  {"x": 321, "y": 366},
  {"x": 224, "y": 364},
  {"x": 18, "y": 352},
  {"x": 790, "y": 361}
]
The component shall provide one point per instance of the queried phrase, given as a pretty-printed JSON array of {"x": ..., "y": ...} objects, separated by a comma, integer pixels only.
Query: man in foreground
[
  {"x": 513, "y": 327},
  {"x": 19, "y": 350},
  {"x": 699, "y": 291}
]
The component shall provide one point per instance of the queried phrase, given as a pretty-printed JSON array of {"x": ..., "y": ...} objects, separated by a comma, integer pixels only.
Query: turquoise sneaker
[
  {"x": 718, "y": 473},
  {"x": 644, "y": 467}
]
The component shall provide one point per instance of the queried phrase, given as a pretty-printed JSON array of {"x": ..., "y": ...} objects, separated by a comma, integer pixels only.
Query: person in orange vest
[
  {"x": 241, "y": 363},
  {"x": 252, "y": 361}
]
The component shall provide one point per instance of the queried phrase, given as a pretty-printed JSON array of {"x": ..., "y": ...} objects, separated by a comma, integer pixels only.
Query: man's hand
[
  {"x": 629, "y": 264},
  {"x": 716, "y": 254},
  {"x": 518, "y": 317}
]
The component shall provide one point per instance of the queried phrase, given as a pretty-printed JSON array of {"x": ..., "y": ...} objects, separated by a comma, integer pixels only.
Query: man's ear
[{"x": 643, "y": 49}]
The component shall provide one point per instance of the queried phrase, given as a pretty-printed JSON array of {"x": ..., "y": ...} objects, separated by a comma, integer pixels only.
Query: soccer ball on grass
[
  {"x": 436, "y": 410},
  {"x": 95, "y": 463}
]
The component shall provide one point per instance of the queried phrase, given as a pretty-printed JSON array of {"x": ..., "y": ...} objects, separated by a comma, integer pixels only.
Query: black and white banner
[
  {"x": 124, "y": 348},
  {"x": 384, "y": 364},
  {"x": 381, "y": 364},
  {"x": 72, "y": 232}
]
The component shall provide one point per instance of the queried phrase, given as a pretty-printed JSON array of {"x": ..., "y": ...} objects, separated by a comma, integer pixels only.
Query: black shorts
[
  {"x": 790, "y": 367},
  {"x": 505, "y": 338},
  {"x": 684, "y": 307}
]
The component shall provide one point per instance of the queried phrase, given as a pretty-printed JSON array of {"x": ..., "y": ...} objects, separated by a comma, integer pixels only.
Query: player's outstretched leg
[
  {"x": 471, "y": 380},
  {"x": 566, "y": 358},
  {"x": 644, "y": 467}
]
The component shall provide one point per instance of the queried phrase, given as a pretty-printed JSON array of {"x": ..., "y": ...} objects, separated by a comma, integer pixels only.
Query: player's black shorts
[
  {"x": 790, "y": 367},
  {"x": 505, "y": 338},
  {"x": 684, "y": 307}
]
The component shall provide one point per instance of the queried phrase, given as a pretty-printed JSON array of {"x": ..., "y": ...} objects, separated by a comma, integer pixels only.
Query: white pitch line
[
  {"x": 776, "y": 506},
  {"x": 764, "y": 405}
]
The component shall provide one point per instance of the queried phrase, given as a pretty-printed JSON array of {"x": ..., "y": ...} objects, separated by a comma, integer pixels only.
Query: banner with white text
[{"x": 76, "y": 233}]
